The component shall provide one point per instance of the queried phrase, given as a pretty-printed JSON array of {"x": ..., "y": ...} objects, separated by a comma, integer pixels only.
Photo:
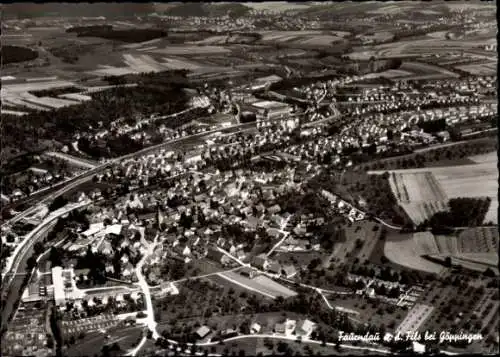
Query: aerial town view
[{"x": 249, "y": 179}]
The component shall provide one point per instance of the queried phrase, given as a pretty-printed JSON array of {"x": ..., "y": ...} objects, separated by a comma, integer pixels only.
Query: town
[{"x": 216, "y": 179}]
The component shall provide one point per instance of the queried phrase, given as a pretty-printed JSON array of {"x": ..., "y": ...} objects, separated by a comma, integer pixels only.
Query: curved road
[{"x": 12, "y": 280}]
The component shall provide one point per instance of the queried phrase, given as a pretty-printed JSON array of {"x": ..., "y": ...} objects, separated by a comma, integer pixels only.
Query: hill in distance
[
  {"x": 207, "y": 10},
  {"x": 68, "y": 9}
]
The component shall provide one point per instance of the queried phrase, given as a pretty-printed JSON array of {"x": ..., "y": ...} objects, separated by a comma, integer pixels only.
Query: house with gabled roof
[
  {"x": 217, "y": 256},
  {"x": 274, "y": 267},
  {"x": 261, "y": 262},
  {"x": 203, "y": 332},
  {"x": 289, "y": 271},
  {"x": 305, "y": 328},
  {"x": 255, "y": 328}
]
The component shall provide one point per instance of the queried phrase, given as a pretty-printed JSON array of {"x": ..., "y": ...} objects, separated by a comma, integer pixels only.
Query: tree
[
  {"x": 447, "y": 261},
  {"x": 38, "y": 248},
  {"x": 58, "y": 202},
  {"x": 55, "y": 257},
  {"x": 282, "y": 347},
  {"x": 489, "y": 273},
  {"x": 31, "y": 263}
]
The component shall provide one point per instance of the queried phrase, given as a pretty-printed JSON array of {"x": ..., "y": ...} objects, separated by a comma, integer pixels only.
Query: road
[
  {"x": 14, "y": 260},
  {"x": 285, "y": 235},
  {"x": 77, "y": 161},
  {"x": 150, "y": 318},
  {"x": 13, "y": 280},
  {"x": 152, "y": 324},
  {"x": 388, "y": 225}
]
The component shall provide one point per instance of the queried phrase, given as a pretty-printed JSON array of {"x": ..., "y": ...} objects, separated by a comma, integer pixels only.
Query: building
[
  {"x": 280, "y": 327},
  {"x": 228, "y": 333},
  {"x": 305, "y": 328},
  {"x": 248, "y": 272},
  {"x": 58, "y": 281},
  {"x": 216, "y": 255},
  {"x": 418, "y": 347},
  {"x": 261, "y": 262},
  {"x": 203, "y": 331},
  {"x": 274, "y": 268},
  {"x": 271, "y": 109},
  {"x": 255, "y": 328},
  {"x": 289, "y": 271}
]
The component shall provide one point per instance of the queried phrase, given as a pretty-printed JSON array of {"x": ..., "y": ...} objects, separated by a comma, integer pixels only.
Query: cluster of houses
[
  {"x": 33, "y": 180},
  {"x": 288, "y": 328},
  {"x": 245, "y": 198},
  {"x": 262, "y": 262},
  {"x": 352, "y": 213},
  {"x": 302, "y": 328},
  {"x": 116, "y": 237}
]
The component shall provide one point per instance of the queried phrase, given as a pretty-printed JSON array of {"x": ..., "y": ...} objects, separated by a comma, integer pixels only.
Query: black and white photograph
[{"x": 249, "y": 178}]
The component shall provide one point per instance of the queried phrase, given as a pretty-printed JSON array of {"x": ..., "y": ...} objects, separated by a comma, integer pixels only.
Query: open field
[
  {"x": 313, "y": 38},
  {"x": 13, "y": 112},
  {"x": 183, "y": 50},
  {"x": 404, "y": 251},
  {"x": 420, "y": 194},
  {"x": 275, "y": 6},
  {"x": 415, "y": 318},
  {"x": 466, "y": 308},
  {"x": 491, "y": 157},
  {"x": 377, "y": 36},
  {"x": 426, "y": 71},
  {"x": 260, "y": 284},
  {"x": 91, "y": 344},
  {"x": 35, "y": 84},
  {"x": 376, "y": 314},
  {"x": 141, "y": 44},
  {"x": 417, "y": 47},
  {"x": 433, "y": 186},
  {"x": 395, "y": 73},
  {"x": 486, "y": 69},
  {"x": 474, "y": 249}
]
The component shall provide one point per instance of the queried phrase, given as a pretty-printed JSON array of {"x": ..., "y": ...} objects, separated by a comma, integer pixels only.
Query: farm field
[
  {"x": 316, "y": 38},
  {"x": 415, "y": 318},
  {"x": 474, "y": 249},
  {"x": 403, "y": 250},
  {"x": 378, "y": 36},
  {"x": 377, "y": 314},
  {"x": 182, "y": 50},
  {"x": 491, "y": 157},
  {"x": 486, "y": 69},
  {"x": 451, "y": 301},
  {"x": 417, "y": 47},
  {"x": 299, "y": 259},
  {"x": 426, "y": 71},
  {"x": 395, "y": 73},
  {"x": 138, "y": 63},
  {"x": 438, "y": 184},
  {"x": 92, "y": 344},
  {"x": 420, "y": 194},
  {"x": 260, "y": 284}
]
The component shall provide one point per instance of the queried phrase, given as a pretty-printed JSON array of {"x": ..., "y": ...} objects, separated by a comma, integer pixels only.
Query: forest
[
  {"x": 15, "y": 54},
  {"x": 464, "y": 212},
  {"x": 107, "y": 32},
  {"x": 39, "y": 129}
]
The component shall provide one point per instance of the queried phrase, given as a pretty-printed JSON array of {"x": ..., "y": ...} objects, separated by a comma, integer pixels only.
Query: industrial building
[{"x": 271, "y": 109}]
